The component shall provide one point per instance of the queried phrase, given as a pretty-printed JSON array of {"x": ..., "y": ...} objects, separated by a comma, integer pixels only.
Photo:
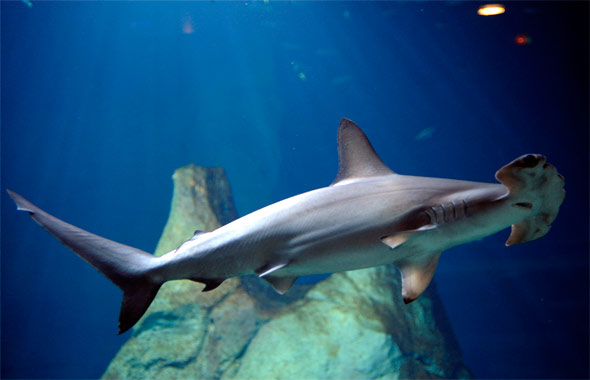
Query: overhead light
[{"x": 491, "y": 10}]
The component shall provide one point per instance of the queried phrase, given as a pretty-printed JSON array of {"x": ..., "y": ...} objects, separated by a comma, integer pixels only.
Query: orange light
[
  {"x": 522, "y": 39},
  {"x": 491, "y": 10}
]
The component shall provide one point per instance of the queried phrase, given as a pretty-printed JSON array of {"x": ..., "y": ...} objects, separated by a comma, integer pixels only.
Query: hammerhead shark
[{"x": 368, "y": 216}]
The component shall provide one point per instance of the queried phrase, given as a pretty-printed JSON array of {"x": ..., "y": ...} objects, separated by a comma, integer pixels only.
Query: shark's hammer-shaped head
[{"x": 536, "y": 189}]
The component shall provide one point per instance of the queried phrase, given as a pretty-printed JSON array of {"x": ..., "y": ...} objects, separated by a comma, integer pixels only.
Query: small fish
[
  {"x": 426, "y": 133},
  {"x": 28, "y": 3},
  {"x": 368, "y": 216}
]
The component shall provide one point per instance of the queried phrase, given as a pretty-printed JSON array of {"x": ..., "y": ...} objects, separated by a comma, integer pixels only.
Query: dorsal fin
[{"x": 356, "y": 156}]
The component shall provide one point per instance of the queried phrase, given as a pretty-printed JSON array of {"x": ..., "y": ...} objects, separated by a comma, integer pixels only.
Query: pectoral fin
[
  {"x": 416, "y": 275},
  {"x": 398, "y": 238}
]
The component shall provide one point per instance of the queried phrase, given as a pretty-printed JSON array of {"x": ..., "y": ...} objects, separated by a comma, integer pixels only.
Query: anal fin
[{"x": 417, "y": 275}]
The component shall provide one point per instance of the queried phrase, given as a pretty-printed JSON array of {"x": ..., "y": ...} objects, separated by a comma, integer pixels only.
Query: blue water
[{"x": 102, "y": 101}]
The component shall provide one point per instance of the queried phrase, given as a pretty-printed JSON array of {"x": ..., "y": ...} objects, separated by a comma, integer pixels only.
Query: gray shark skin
[{"x": 368, "y": 216}]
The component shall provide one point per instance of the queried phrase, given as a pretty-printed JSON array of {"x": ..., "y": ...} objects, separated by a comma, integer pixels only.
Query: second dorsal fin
[
  {"x": 196, "y": 235},
  {"x": 356, "y": 156}
]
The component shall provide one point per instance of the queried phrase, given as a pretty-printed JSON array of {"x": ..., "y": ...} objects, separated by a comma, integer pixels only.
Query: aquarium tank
[{"x": 143, "y": 121}]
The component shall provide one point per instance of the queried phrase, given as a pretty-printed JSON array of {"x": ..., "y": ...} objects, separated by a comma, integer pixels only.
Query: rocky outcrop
[{"x": 351, "y": 325}]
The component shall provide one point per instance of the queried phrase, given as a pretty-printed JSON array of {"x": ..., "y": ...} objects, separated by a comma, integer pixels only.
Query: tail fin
[{"x": 127, "y": 267}]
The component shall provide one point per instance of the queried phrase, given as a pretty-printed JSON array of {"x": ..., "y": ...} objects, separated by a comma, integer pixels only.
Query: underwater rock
[{"x": 351, "y": 325}]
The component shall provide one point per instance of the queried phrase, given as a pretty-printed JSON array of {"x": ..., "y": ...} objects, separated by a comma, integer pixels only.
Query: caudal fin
[{"x": 127, "y": 267}]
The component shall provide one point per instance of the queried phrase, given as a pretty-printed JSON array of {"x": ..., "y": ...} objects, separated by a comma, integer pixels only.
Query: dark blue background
[{"x": 102, "y": 101}]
